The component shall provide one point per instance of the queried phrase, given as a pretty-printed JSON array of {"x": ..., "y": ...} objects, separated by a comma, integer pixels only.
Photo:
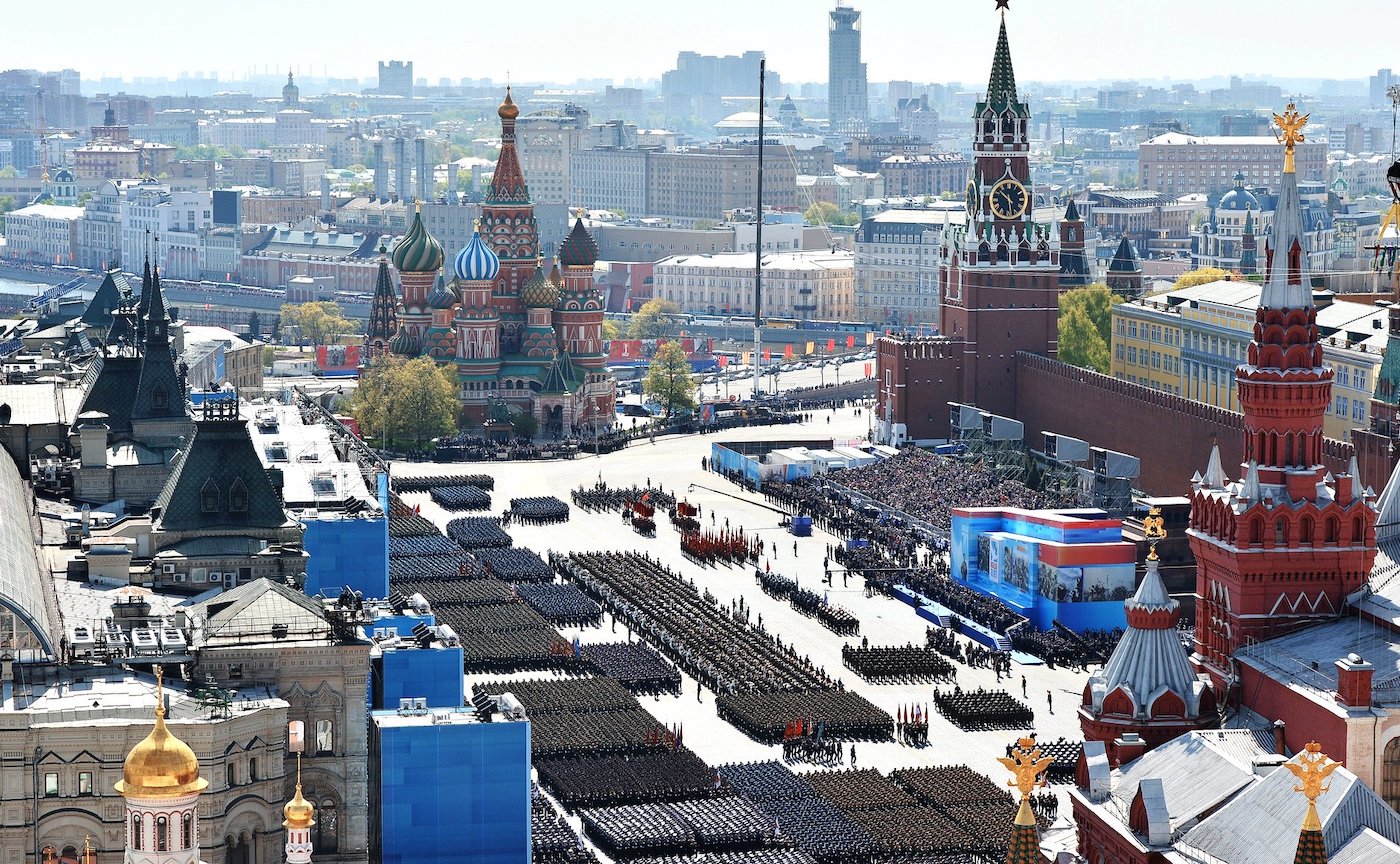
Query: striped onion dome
[
  {"x": 538, "y": 292},
  {"x": 476, "y": 262},
  {"x": 441, "y": 297},
  {"x": 418, "y": 251},
  {"x": 404, "y": 344}
]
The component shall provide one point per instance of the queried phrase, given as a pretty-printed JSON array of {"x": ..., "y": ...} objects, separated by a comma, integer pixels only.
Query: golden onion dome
[
  {"x": 298, "y": 812},
  {"x": 161, "y": 766},
  {"x": 508, "y": 110}
]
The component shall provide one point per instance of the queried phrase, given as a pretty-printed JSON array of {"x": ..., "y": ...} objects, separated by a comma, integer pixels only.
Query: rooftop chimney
[
  {"x": 420, "y": 164},
  {"x": 1354, "y": 681},
  {"x": 381, "y": 173},
  {"x": 401, "y": 168}
]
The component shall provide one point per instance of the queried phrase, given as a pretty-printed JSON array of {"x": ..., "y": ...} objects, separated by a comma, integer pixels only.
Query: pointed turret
[
  {"x": 1148, "y": 686},
  {"x": 1001, "y": 84},
  {"x": 160, "y": 393},
  {"x": 1215, "y": 471},
  {"x": 1249, "y": 249},
  {"x": 1125, "y": 271},
  {"x": 1286, "y": 283},
  {"x": 383, "y": 313},
  {"x": 508, "y": 181}
]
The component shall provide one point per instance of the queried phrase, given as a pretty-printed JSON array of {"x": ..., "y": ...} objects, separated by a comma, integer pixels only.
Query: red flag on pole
[
  {"x": 767, "y": 354},
  {"x": 787, "y": 350},
  {"x": 850, "y": 341},
  {"x": 831, "y": 344}
]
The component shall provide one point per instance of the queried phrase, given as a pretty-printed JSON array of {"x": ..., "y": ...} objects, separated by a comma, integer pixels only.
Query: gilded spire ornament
[
  {"x": 1026, "y": 766},
  {"x": 1290, "y": 124},
  {"x": 1152, "y": 531},
  {"x": 1311, "y": 770}
]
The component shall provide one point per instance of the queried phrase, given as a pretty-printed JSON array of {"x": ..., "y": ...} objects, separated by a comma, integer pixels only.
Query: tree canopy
[
  {"x": 1200, "y": 276},
  {"x": 827, "y": 213},
  {"x": 668, "y": 379},
  {"x": 320, "y": 322},
  {"x": 405, "y": 402},
  {"x": 1086, "y": 322},
  {"x": 653, "y": 320}
]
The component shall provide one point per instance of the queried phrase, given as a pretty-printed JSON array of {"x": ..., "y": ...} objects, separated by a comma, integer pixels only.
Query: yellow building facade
[{"x": 1189, "y": 342}]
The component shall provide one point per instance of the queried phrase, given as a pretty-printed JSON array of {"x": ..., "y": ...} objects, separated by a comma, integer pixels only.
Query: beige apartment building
[
  {"x": 1178, "y": 164},
  {"x": 1189, "y": 343},
  {"x": 803, "y": 285},
  {"x": 705, "y": 182}
]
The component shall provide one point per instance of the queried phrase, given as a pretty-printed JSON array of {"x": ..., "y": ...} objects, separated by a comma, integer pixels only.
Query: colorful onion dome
[
  {"x": 538, "y": 292},
  {"x": 404, "y": 344},
  {"x": 508, "y": 109},
  {"x": 554, "y": 278},
  {"x": 441, "y": 297},
  {"x": 476, "y": 262},
  {"x": 418, "y": 251},
  {"x": 579, "y": 249}
]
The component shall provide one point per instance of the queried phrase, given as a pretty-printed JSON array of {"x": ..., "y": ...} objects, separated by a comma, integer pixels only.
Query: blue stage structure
[{"x": 1070, "y": 566}]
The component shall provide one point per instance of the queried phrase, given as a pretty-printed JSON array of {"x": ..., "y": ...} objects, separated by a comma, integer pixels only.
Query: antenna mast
[{"x": 758, "y": 246}]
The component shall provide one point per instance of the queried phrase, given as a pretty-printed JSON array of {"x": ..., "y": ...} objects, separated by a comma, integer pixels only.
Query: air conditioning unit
[
  {"x": 167, "y": 568},
  {"x": 179, "y": 577}
]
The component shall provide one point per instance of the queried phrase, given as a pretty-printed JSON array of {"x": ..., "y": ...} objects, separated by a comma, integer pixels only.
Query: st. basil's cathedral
[{"x": 522, "y": 339}]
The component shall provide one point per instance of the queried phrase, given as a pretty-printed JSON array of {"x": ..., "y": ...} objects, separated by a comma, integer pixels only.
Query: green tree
[
  {"x": 254, "y": 325},
  {"x": 1097, "y": 302},
  {"x": 1080, "y": 342},
  {"x": 320, "y": 322},
  {"x": 1200, "y": 276},
  {"x": 611, "y": 330},
  {"x": 9, "y": 172},
  {"x": 402, "y": 401},
  {"x": 827, "y": 213},
  {"x": 653, "y": 320},
  {"x": 668, "y": 379}
]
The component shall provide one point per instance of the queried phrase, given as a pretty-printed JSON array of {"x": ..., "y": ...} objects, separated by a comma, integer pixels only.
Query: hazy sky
[{"x": 568, "y": 40}]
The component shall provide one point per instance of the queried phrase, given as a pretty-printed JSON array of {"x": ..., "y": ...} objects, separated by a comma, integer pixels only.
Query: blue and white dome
[{"x": 476, "y": 262}]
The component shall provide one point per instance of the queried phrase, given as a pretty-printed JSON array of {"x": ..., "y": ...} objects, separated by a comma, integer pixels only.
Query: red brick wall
[
  {"x": 1170, "y": 434},
  {"x": 1307, "y": 721}
]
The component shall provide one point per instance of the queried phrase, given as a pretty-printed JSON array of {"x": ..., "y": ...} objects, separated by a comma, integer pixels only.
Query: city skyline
[{"x": 903, "y": 40}]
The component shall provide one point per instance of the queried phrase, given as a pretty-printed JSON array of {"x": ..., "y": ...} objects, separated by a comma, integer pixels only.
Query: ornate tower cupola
[
  {"x": 291, "y": 94},
  {"x": 161, "y": 785},
  {"x": 158, "y": 411},
  {"x": 478, "y": 325},
  {"x": 1125, "y": 270},
  {"x": 578, "y": 316},
  {"x": 298, "y": 817},
  {"x": 1286, "y": 545},
  {"x": 1001, "y": 144},
  {"x": 508, "y": 226},
  {"x": 539, "y": 295},
  {"x": 1147, "y": 686},
  {"x": 418, "y": 257}
]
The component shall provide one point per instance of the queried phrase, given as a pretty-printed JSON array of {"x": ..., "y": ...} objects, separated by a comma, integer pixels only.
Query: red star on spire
[{"x": 1004, "y": 5}]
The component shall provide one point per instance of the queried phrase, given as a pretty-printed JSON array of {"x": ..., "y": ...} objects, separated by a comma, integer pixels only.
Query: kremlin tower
[
  {"x": 1148, "y": 686},
  {"x": 161, "y": 785},
  {"x": 1286, "y": 544}
]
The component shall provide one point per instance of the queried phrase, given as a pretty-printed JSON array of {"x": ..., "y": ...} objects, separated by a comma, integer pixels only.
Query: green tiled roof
[{"x": 220, "y": 456}]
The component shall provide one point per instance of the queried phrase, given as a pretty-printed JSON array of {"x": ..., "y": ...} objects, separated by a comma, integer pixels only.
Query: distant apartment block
[
  {"x": 1178, "y": 164},
  {"x": 807, "y": 285},
  {"x": 396, "y": 78}
]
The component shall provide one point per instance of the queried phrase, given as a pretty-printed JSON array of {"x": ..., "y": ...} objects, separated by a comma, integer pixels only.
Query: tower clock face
[{"x": 1008, "y": 199}]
